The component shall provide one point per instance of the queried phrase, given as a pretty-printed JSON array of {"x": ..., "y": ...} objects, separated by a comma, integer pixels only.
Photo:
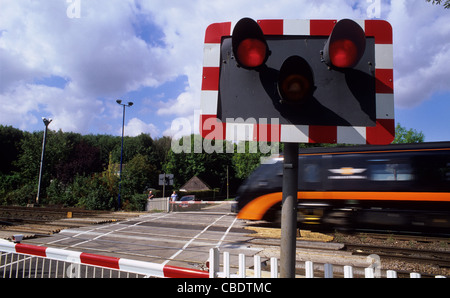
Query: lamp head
[{"x": 47, "y": 121}]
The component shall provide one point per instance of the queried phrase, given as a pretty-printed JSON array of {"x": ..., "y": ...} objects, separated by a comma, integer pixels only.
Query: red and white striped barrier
[
  {"x": 202, "y": 202},
  {"x": 134, "y": 266}
]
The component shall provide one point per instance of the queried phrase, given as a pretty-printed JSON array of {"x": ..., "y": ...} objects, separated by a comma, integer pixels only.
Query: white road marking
[
  {"x": 226, "y": 233},
  {"x": 102, "y": 227},
  {"x": 192, "y": 240}
]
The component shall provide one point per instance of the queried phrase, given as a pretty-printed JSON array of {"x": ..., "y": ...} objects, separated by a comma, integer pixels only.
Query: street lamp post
[
  {"x": 46, "y": 123},
  {"x": 129, "y": 104}
]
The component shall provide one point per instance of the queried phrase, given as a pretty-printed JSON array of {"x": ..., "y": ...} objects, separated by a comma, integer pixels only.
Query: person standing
[{"x": 174, "y": 196}]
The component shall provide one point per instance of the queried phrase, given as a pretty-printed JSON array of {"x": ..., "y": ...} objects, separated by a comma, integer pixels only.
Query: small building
[{"x": 195, "y": 184}]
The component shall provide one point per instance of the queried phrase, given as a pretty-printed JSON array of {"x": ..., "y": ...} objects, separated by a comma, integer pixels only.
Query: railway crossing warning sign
[{"x": 298, "y": 81}]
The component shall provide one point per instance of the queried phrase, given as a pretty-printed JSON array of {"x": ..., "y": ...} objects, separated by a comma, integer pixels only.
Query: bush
[
  {"x": 22, "y": 196},
  {"x": 135, "y": 202},
  {"x": 93, "y": 193},
  {"x": 59, "y": 194}
]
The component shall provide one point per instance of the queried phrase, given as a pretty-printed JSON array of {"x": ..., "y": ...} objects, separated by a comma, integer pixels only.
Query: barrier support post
[{"x": 289, "y": 211}]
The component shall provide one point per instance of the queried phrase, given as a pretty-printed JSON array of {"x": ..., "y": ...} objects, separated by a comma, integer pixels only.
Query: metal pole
[
  {"x": 228, "y": 186},
  {"x": 164, "y": 186},
  {"x": 121, "y": 158},
  {"x": 289, "y": 211},
  {"x": 41, "y": 167}
]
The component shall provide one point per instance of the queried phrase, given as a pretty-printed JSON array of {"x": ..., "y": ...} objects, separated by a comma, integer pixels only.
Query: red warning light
[
  {"x": 345, "y": 46},
  {"x": 296, "y": 80},
  {"x": 249, "y": 44},
  {"x": 252, "y": 52},
  {"x": 344, "y": 53}
]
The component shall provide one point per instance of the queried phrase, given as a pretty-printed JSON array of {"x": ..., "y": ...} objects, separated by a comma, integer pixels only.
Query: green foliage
[
  {"x": 78, "y": 170},
  {"x": 28, "y": 161},
  {"x": 56, "y": 194},
  {"x": 405, "y": 136},
  {"x": 8, "y": 183},
  {"x": 438, "y": 2},
  {"x": 10, "y": 147},
  {"x": 139, "y": 174},
  {"x": 136, "y": 202},
  {"x": 93, "y": 193},
  {"x": 245, "y": 163},
  {"x": 22, "y": 196}
]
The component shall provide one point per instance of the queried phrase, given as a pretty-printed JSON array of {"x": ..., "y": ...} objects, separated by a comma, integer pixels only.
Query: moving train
[{"x": 393, "y": 187}]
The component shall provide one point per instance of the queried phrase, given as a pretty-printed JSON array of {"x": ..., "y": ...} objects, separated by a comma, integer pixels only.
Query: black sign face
[{"x": 343, "y": 97}]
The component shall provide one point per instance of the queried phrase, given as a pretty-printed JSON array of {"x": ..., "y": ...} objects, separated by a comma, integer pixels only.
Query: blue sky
[
  {"x": 431, "y": 117},
  {"x": 71, "y": 60}
]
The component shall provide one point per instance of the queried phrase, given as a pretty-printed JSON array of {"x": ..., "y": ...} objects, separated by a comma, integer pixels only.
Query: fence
[
  {"x": 166, "y": 205},
  {"x": 160, "y": 204},
  {"x": 243, "y": 272}
]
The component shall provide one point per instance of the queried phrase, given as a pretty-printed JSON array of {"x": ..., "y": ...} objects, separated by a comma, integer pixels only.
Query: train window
[
  {"x": 432, "y": 169},
  {"x": 311, "y": 173},
  {"x": 446, "y": 172},
  {"x": 391, "y": 172}
]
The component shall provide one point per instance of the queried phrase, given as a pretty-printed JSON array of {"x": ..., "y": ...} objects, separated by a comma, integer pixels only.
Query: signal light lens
[
  {"x": 296, "y": 80},
  {"x": 345, "y": 46},
  {"x": 343, "y": 53},
  {"x": 294, "y": 88},
  {"x": 252, "y": 52},
  {"x": 249, "y": 44}
]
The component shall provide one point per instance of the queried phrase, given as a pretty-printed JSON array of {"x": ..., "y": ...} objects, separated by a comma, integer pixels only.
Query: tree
[
  {"x": 10, "y": 139},
  {"x": 106, "y": 145},
  {"x": 142, "y": 144},
  {"x": 83, "y": 160},
  {"x": 92, "y": 193},
  {"x": 210, "y": 167},
  {"x": 160, "y": 150},
  {"x": 438, "y": 2},
  {"x": 404, "y": 136},
  {"x": 78, "y": 170},
  {"x": 138, "y": 175},
  {"x": 245, "y": 163}
]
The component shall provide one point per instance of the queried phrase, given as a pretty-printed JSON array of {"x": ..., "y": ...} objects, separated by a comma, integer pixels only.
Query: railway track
[
  {"x": 43, "y": 221},
  {"x": 429, "y": 256},
  {"x": 422, "y": 253}
]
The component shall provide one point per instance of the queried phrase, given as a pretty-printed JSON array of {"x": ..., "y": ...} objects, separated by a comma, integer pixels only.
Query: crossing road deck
[{"x": 177, "y": 238}]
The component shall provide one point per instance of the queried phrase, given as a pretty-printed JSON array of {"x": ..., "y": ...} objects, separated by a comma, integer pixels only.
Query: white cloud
[
  {"x": 421, "y": 51},
  {"x": 99, "y": 54},
  {"x": 183, "y": 105},
  {"x": 136, "y": 127},
  {"x": 70, "y": 113}
]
